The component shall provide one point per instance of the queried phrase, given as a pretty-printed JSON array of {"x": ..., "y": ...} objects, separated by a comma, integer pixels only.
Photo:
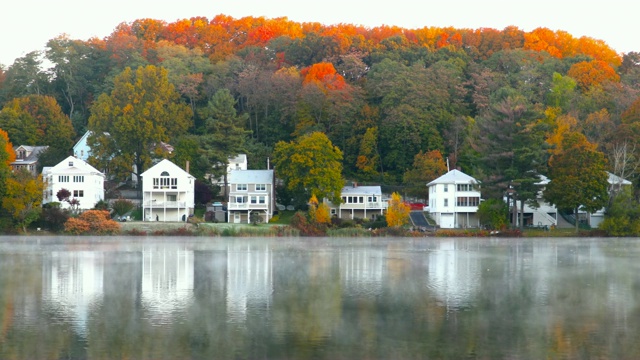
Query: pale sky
[{"x": 26, "y": 25}]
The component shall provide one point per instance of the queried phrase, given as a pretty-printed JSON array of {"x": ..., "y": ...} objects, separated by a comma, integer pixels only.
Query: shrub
[{"x": 92, "y": 221}]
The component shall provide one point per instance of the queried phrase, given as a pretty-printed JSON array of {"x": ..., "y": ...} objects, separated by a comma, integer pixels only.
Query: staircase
[{"x": 419, "y": 220}]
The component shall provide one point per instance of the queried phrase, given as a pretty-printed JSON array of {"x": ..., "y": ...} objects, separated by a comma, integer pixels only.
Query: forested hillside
[{"x": 397, "y": 102}]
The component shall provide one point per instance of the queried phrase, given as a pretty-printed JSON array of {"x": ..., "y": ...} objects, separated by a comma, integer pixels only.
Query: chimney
[
  {"x": 187, "y": 166},
  {"x": 354, "y": 184}
]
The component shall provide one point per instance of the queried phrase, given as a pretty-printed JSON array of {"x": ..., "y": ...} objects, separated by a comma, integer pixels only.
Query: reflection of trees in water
[{"x": 543, "y": 298}]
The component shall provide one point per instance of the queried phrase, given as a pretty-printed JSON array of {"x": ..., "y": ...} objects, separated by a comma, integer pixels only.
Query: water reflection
[{"x": 319, "y": 298}]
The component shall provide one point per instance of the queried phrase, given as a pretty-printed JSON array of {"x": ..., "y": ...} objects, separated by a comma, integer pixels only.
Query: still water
[{"x": 238, "y": 298}]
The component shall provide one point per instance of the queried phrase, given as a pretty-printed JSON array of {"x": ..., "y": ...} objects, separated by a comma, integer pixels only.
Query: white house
[
  {"x": 363, "y": 202},
  {"x": 250, "y": 191},
  {"x": 167, "y": 193},
  {"x": 27, "y": 157},
  {"x": 454, "y": 199},
  {"x": 84, "y": 182}
]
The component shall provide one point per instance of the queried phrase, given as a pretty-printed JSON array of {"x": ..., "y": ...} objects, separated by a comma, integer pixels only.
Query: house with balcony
[
  {"x": 84, "y": 182},
  {"x": 27, "y": 158},
  {"x": 454, "y": 199},
  {"x": 251, "y": 192},
  {"x": 167, "y": 193},
  {"x": 362, "y": 202}
]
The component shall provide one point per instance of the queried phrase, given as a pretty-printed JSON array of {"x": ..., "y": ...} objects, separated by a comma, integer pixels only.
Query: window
[
  {"x": 261, "y": 187},
  {"x": 165, "y": 183},
  {"x": 63, "y": 178},
  {"x": 78, "y": 193},
  {"x": 70, "y": 163},
  {"x": 78, "y": 178},
  {"x": 468, "y": 201},
  {"x": 254, "y": 199},
  {"x": 446, "y": 188},
  {"x": 241, "y": 187},
  {"x": 361, "y": 199},
  {"x": 465, "y": 187},
  {"x": 333, "y": 212},
  {"x": 240, "y": 200},
  {"x": 372, "y": 199},
  {"x": 446, "y": 202},
  {"x": 261, "y": 199}
]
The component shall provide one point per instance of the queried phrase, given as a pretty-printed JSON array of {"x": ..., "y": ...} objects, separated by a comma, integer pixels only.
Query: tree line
[{"x": 398, "y": 104}]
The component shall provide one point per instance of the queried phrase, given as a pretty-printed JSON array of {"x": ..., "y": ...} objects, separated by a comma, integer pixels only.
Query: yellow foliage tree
[
  {"x": 398, "y": 211},
  {"x": 318, "y": 212},
  {"x": 23, "y": 196}
]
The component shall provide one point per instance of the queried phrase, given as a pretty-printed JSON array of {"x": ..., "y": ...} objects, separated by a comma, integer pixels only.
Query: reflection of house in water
[
  {"x": 362, "y": 270},
  {"x": 73, "y": 285},
  {"x": 167, "y": 280},
  {"x": 249, "y": 279},
  {"x": 454, "y": 274}
]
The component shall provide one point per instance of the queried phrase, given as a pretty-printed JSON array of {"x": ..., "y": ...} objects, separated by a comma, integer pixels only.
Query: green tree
[
  {"x": 493, "y": 213},
  {"x": 225, "y": 135},
  {"x": 130, "y": 124},
  {"x": 578, "y": 178},
  {"x": 623, "y": 215},
  {"x": 310, "y": 165},
  {"x": 22, "y": 198},
  {"x": 369, "y": 158},
  {"x": 427, "y": 166}
]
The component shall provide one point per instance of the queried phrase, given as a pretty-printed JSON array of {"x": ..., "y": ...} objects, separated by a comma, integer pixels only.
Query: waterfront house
[
  {"x": 84, "y": 182},
  {"x": 454, "y": 199},
  {"x": 250, "y": 192},
  {"x": 167, "y": 193},
  {"x": 362, "y": 202}
]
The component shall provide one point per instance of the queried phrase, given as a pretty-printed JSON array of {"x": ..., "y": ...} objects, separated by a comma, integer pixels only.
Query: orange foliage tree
[
  {"x": 92, "y": 221},
  {"x": 592, "y": 73},
  {"x": 10, "y": 155}
]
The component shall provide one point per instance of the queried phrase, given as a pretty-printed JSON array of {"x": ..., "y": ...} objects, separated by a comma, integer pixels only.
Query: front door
[{"x": 236, "y": 217}]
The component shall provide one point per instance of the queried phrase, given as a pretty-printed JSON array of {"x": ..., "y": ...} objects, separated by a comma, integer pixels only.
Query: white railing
[
  {"x": 247, "y": 206},
  {"x": 165, "y": 204}
]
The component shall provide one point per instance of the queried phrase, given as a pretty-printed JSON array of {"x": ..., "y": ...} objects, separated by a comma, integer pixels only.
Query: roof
[
  {"x": 615, "y": 179},
  {"x": 251, "y": 177},
  {"x": 71, "y": 165},
  {"x": 165, "y": 165},
  {"x": 33, "y": 153},
  {"x": 454, "y": 177},
  {"x": 362, "y": 190}
]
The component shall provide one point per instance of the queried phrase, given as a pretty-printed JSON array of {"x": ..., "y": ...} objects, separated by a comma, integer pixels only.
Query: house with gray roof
[
  {"x": 168, "y": 193},
  {"x": 454, "y": 199},
  {"x": 362, "y": 202},
  {"x": 251, "y": 192},
  {"x": 27, "y": 157}
]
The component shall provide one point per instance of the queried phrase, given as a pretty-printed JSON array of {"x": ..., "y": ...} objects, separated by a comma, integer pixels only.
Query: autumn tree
[
  {"x": 23, "y": 196},
  {"x": 368, "y": 159},
  {"x": 623, "y": 215},
  {"x": 37, "y": 120},
  {"x": 578, "y": 179},
  {"x": 7, "y": 155},
  {"x": 310, "y": 165},
  {"x": 397, "y": 212},
  {"x": 319, "y": 211},
  {"x": 427, "y": 166},
  {"x": 130, "y": 124}
]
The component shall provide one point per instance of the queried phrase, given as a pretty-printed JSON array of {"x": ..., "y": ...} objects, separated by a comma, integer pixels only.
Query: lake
[{"x": 319, "y": 298}]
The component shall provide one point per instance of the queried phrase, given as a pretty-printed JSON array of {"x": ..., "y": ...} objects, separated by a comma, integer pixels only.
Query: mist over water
[{"x": 320, "y": 298}]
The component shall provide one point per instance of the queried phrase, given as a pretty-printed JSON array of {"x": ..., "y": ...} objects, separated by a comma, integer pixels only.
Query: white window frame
[
  {"x": 241, "y": 187},
  {"x": 261, "y": 187}
]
